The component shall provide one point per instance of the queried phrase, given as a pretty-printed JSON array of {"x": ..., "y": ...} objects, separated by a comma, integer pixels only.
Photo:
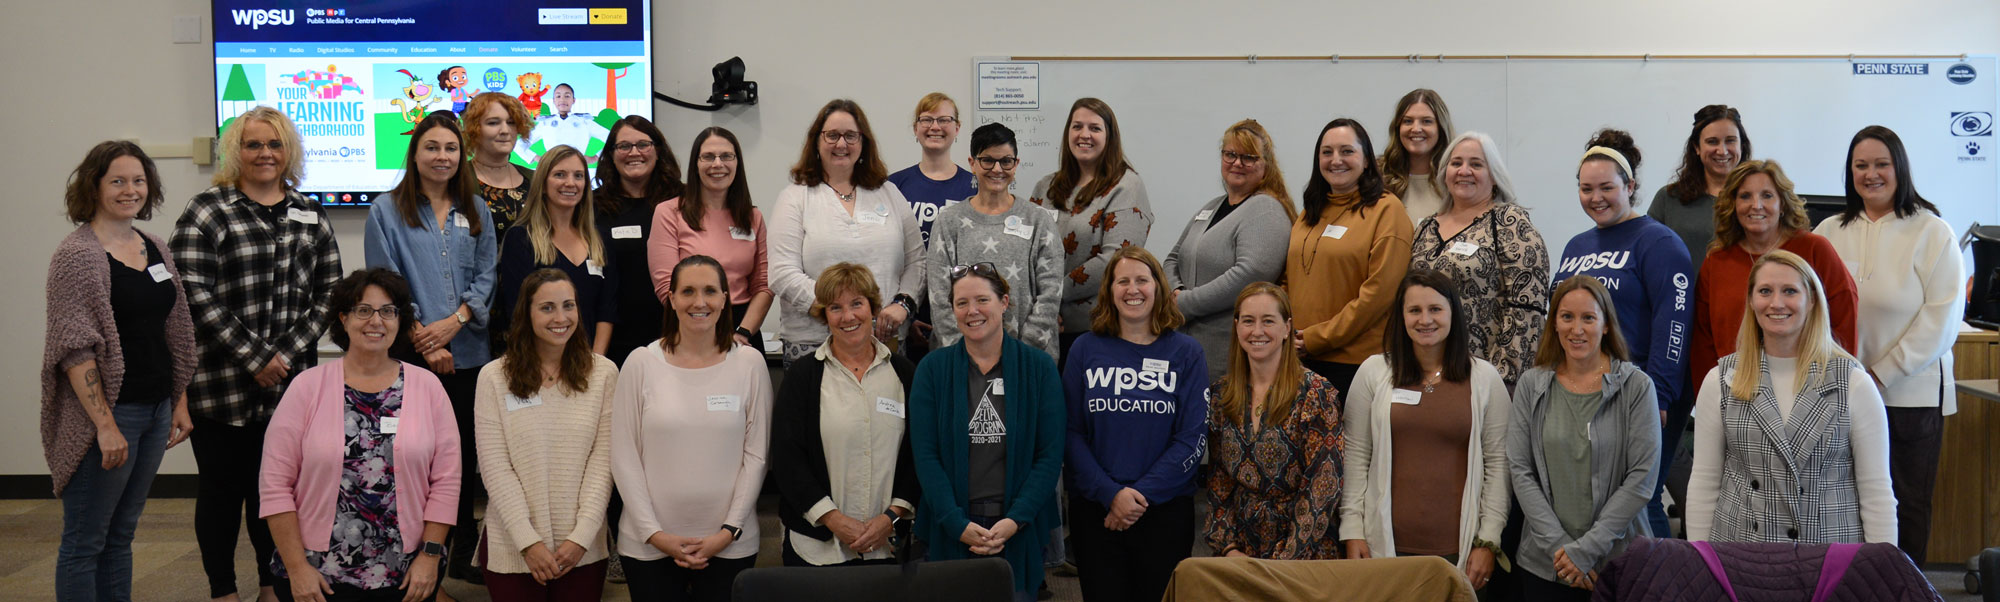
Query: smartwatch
[
  {"x": 894, "y": 518},
  {"x": 432, "y": 548},
  {"x": 735, "y": 532},
  {"x": 745, "y": 332}
]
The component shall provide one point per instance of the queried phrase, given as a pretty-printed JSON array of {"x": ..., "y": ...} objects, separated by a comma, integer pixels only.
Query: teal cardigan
[{"x": 1035, "y": 431}]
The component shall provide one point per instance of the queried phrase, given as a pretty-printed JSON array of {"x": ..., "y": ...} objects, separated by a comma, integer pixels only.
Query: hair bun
[{"x": 1618, "y": 140}]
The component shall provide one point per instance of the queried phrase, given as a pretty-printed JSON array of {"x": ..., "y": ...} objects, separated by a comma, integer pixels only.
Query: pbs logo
[
  {"x": 494, "y": 80},
  {"x": 1971, "y": 123}
]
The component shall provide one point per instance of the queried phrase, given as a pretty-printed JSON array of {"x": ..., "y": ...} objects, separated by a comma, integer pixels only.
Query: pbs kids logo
[
  {"x": 1961, "y": 74},
  {"x": 494, "y": 79}
]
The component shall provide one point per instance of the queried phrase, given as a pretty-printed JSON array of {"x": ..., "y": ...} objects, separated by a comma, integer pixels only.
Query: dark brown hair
[
  {"x": 81, "y": 198},
  {"x": 868, "y": 170},
  {"x": 347, "y": 292},
  {"x": 665, "y": 181},
  {"x": 670, "y": 323},
  {"x": 1906, "y": 201},
  {"x": 1550, "y": 352},
  {"x": 1401, "y": 352},
  {"x": 1396, "y": 160},
  {"x": 409, "y": 192},
  {"x": 1621, "y": 142},
  {"x": 523, "y": 362},
  {"x": 1111, "y": 163},
  {"x": 693, "y": 208},
  {"x": 1317, "y": 188},
  {"x": 1691, "y": 179}
]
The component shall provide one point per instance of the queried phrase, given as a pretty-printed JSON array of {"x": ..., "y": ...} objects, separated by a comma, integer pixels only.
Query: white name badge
[
  {"x": 999, "y": 386},
  {"x": 870, "y": 218},
  {"x": 1464, "y": 248},
  {"x": 515, "y": 403},
  {"x": 595, "y": 270},
  {"x": 159, "y": 272},
  {"x": 889, "y": 406},
  {"x": 458, "y": 219},
  {"x": 724, "y": 403},
  {"x": 1334, "y": 232},
  {"x": 1405, "y": 396},
  {"x": 1153, "y": 365},
  {"x": 1203, "y": 215},
  {"x": 626, "y": 232},
  {"x": 389, "y": 425},
  {"x": 742, "y": 234},
  {"x": 302, "y": 216},
  {"x": 1022, "y": 231}
]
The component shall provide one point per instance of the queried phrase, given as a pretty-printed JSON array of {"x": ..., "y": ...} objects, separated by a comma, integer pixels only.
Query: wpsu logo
[
  {"x": 1122, "y": 379},
  {"x": 256, "y": 18},
  {"x": 1609, "y": 259}
]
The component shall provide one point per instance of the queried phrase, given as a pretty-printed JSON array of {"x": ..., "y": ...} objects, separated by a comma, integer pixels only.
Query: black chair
[{"x": 976, "y": 580}]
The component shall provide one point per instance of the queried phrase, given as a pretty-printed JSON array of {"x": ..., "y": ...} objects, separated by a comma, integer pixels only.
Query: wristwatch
[
  {"x": 745, "y": 332},
  {"x": 735, "y": 532},
  {"x": 432, "y": 548},
  {"x": 461, "y": 317},
  {"x": 909, "y": 303},
  {"x": 894, "y": 518}
]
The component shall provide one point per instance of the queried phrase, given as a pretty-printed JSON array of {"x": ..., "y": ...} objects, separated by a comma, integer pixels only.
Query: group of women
[{"x": 1388, "y": 367}]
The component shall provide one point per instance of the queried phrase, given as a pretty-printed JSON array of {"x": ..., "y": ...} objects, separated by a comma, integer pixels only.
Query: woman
[
  {"x": 1274, "y": 482},
  {"x": 258, "y": 259},
  {"x": 1234, "y": 240},
  {"x": 432, "y": 229},
  {"x": 1138, "y": 412},
  {"x": 840, "y": 453},
  {"x": 1426, "y": 439},
  {"x": 544, "y": 423},
  {"x": 840, "y": 207},
  {"x": 1761, "y": 215},
  {"x": 1807, "y": 405},
  {"x": 1421, "y": 122},
  {"x": 1716, "y": 145},
  {"x": 360, "y": 482},
  {"x": 1907, "y": 272},
  {"x": 935, "y": 181},
  {"x": 115, "y": 367},
  {"x": 996, "y": 227},
  {"x": 495, "y": 124},
  {"x": 987, "y": 460},
  {"x": 1647, "y": 273},
  {"x": 1582, "y": 446},
  {"x": 643, "y": 175},
  {"x": 558, "y": 230},
  {"x": 720, "y": 222},
  {"x": 1100, "y": 206},
  {"x": 690, "y": 519},
  {"x": 1346, "y": 255},
  {"x": 1483, "y": 241}
]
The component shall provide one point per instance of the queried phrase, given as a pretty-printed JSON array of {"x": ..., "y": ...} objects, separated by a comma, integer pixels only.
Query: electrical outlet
[
  {"x": 202, "y": 150},
  {"x": 187, "y": 29}
]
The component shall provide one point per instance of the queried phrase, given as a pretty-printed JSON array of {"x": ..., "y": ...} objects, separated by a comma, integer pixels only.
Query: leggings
[{"x": 229, "y": 458}]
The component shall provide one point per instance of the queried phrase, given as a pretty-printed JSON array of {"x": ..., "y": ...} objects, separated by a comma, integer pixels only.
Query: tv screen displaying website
[{"x": 357, "y": 76}]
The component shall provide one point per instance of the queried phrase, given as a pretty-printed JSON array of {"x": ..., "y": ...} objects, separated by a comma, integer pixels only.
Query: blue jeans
[{"x": 101, "y": 507}]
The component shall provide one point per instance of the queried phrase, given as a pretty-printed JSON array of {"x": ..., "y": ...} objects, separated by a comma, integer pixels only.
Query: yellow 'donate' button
[{"x": 607, "y": 16}]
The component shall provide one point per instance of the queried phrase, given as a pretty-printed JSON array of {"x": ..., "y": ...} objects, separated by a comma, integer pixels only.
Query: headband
[{"x": 1616, "y": 157}]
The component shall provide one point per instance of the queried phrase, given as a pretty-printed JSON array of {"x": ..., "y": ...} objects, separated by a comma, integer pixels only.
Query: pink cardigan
[{"x": 303, "y": 452}]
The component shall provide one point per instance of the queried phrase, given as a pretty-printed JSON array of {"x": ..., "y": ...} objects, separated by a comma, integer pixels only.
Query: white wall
[{"x": 88, "y": 70}]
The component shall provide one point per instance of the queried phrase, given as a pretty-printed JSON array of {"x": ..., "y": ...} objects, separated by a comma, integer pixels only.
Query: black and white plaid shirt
[{"x": 258, "y": 280}]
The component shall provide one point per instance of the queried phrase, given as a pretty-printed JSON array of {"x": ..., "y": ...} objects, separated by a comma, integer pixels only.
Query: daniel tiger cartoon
[
  {"x": 531, "y": 92},
  {"x": 416, "y": 100}
]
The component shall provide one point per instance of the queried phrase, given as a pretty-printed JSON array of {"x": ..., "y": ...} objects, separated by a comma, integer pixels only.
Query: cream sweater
[{"x": 546, "y": 461}]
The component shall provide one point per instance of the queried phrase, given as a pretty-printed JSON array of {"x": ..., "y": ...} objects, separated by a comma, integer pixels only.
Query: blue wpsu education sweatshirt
[
  {"x": 1137, "y": 416},
  {"x": 1646, "y": 268}
]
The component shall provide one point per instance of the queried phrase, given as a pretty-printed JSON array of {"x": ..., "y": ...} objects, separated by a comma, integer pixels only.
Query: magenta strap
[
  {"x": 1838, "y": 557},
  {"x": 1715, "y": 567}
]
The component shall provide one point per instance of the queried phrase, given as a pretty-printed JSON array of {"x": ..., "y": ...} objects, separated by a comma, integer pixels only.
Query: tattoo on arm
[{"x": 90, "y": 378}]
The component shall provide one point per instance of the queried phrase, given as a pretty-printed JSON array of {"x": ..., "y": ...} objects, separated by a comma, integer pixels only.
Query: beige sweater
[{"x": 546, "y": 461}]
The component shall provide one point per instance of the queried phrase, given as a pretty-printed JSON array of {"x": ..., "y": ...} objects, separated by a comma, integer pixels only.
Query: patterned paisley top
[
  {"x": 1501, "y": 268},
  {"x": 1274, "y": 492}
]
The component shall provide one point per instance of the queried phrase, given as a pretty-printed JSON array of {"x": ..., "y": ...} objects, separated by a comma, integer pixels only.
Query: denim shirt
[{"x": 445, "y": 269}]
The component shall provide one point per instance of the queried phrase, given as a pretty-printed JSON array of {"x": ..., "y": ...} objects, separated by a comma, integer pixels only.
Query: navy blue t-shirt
[{"x": 928, "y": 196}]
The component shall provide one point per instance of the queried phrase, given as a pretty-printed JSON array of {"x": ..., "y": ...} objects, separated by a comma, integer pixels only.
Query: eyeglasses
[
  {"x": 258, "y": 146},
  {"x": 1229, "y": 156},
  {"x": 983, "y": 269},
  {"x": 626, "y": 147},
  {"x": 364, "y": 313},
  {"x": 717, "y": 158},
  {"x": 833, "y": 137},
  {"x": 929, "y": 121},
  {"x": 1002, "y": 162}
]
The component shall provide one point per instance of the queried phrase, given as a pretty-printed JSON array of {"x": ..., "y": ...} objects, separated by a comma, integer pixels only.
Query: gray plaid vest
[{"x": 1788, "y": 481}]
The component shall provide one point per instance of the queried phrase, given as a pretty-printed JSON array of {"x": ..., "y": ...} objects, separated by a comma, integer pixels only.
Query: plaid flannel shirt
[{"x": 254, "y": 292}]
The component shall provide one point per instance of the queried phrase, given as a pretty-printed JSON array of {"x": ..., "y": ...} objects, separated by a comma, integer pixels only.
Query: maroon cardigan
[{"x": 80, "y": 329}]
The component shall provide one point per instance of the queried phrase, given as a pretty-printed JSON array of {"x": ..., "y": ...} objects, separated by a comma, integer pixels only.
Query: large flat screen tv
[{"x": 356, "y": 76}]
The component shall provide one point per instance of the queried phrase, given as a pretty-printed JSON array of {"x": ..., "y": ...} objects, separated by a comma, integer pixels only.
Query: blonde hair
[
  {"x": 1230, "y": 405},
  {"x": 840, "y": 278},
  {"x": 540, "y": 229},
  {"x": 230, "y": 171},
  {"x": 1816, "y": 344},
  {"x": 1251, "y": 136},
  {"x": 1792, "y": 218},
  {"x": 931, "y": 101}
]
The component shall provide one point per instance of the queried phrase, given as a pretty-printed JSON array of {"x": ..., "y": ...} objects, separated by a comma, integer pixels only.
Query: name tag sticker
[
  {"x": 302, "y": 216},
  {"x": 515, "y": 403},
  {"x": 724, "y": 403},
  {"x": 458, "y": 219},
  {"x": 1334, "y": 232},
  {"x": 889, "y": 406},
  {"x": 999, "y": 386},
  {"x": 1022, "y": 231},
  {"x": 1203, "y": 215},
  {"x": 159, "y": 272},
  {"x": 1153, "y": 365},
  {"x": 741, "y": 234},
  {"x": 625, "y": 232},
  {"x": 1405, "y": 397},
  {"x": 389, "y": 425},
  {"x": 1464, "y": 248},
  {"x": 595, "y": 270},
  {"x": 870, "y": 218}
]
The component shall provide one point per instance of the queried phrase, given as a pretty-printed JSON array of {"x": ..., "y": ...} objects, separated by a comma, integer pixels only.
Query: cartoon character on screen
[
  {"x": 531, "y": 92},
  {"x": 452, "y": 80},
  {"x": 416, "y": 100},
  {"x": 565, "y": 127}
]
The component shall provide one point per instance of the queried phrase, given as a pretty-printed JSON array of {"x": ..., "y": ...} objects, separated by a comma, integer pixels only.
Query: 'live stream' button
[{"x": 563, "y": 16}]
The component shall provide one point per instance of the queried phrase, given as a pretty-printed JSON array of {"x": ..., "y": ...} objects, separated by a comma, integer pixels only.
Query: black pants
[
  {"x": 662, "y": 580},
  {"x": 229, "y": 459},
  {"x": 459, "y": 386},
  {"x": 1134, "y": 564},
  {"x": 1341, "y": 375},
  {"x": 1542, "y": 590},
  {"x": 1915, "y": 438}
]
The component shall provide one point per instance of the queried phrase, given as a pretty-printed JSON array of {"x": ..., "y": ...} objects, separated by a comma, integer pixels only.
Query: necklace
[
  {"x": 1431, "y": 382},
  {"x": 845, "y": 198}
]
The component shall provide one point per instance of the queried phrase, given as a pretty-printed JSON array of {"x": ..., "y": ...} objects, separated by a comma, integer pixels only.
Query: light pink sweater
[{"x": 305, "y": 445}]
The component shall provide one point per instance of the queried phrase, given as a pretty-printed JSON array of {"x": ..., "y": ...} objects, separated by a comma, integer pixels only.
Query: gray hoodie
[{"x": 1625, "y": 447}]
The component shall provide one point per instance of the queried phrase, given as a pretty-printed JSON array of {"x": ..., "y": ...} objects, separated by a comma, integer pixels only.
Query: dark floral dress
[
  {"x": 1274, "y": 493},
  {"x": 366, "y": 550},
  {"x": 505, "y": 203}
]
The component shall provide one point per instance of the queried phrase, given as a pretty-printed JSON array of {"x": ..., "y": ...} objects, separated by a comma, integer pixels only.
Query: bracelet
[{"x": 909, "y": 303}]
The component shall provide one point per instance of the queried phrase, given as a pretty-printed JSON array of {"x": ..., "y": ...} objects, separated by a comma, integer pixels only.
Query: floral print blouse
[
  {"x": 1274, "y": 493},
  {"x": 1501, "y": 269},
  {"x": 367, "y": 547}
]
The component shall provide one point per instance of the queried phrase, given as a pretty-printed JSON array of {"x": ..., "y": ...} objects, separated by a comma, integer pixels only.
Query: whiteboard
[{"x": 1801, "y": 112}]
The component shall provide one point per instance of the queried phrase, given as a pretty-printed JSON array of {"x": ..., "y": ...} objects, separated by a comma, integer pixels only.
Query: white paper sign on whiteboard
[{"x": 1009, "y": 85}]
